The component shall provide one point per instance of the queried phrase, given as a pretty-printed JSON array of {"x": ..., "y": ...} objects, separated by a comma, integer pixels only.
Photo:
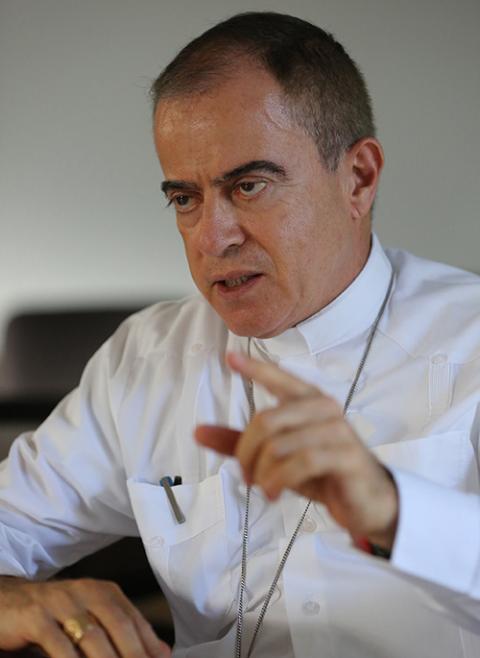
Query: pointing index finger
[{"x": 278, "y": 382}]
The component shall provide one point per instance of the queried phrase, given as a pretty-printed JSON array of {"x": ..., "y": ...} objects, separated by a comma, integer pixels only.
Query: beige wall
[{"x": 81, "y": 214}]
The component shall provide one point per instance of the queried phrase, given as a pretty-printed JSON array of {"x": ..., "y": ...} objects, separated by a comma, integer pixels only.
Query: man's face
[{"x": 268, "y": 231}]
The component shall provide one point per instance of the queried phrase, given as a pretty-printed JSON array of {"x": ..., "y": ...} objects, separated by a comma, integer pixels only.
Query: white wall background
[{"x": 82, "y": 219}]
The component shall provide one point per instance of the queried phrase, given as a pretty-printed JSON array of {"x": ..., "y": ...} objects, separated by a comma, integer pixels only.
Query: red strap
[{"x": 364, "y": 545}]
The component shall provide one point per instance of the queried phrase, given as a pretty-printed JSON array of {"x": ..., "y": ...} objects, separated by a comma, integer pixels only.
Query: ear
[{"x": 364, "y": 162}]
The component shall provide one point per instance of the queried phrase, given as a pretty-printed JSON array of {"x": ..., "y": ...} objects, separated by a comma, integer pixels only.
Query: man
[{"x": 362, "y": 396}]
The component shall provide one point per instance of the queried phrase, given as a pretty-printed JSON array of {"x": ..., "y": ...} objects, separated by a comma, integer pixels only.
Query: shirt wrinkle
[{"x": 164, "y": 372}]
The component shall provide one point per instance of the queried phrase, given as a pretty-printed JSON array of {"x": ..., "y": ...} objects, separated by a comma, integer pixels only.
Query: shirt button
[
  {"x": 439, "y": 359},
  {"x": 308, "y": 524},
  {"x": 311, "y": 608}
]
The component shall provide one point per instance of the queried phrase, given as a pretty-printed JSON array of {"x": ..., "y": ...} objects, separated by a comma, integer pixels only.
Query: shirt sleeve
[
  {"x": 437, "y": 546},
  {"x": 62, "y": 489}
]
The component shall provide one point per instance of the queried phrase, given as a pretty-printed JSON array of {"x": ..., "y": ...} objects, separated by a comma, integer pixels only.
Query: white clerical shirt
[{"x": 91, "y": 473}]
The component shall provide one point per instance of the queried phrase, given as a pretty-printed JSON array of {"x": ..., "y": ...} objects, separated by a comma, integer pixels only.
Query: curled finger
[
  {"x": 300, "y": 467},
  {"x": 42, "y": 629},
  {"x": 129, "y": 632},
  {"x": 155, "y": 647}
]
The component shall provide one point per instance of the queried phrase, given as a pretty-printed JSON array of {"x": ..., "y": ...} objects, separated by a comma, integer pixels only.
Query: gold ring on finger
[{"x": 76, "y": 627}]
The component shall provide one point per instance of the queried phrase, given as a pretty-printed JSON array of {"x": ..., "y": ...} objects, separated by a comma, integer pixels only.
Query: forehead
[
  {"x": 248, "y": 89},
  {"x": 245, "y": 117}
]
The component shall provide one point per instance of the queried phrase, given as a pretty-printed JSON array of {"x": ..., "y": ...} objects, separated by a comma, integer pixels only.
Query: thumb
[{"x": 221, "y": 439}]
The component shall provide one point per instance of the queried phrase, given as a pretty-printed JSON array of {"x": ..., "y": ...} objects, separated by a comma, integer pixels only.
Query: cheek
[
  {"x": 303, "y": 242},
  {"x": 289, "y": 245},
  {"x": 192, "y": 257},
  {"x": 295, "y": 230}
]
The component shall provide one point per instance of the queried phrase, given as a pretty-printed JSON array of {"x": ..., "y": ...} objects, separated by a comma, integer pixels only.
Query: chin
[{"x": 256, "y": 327}]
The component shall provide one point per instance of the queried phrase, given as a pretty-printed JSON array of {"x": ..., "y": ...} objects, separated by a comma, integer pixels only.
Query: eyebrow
[{"x": 241, "y": 170}]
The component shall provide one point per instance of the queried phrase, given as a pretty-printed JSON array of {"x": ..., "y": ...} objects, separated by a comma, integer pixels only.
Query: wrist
[
  {"x": 372, "y": 549},
  {"x": 379, "y": 541}
]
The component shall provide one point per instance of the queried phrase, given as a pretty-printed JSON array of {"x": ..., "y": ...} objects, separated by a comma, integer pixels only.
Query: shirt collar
[{"x": 347, "y": 316}]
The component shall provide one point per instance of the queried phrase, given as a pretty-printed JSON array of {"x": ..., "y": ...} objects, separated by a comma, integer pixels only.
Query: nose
[{"x": 218, "y": 232}]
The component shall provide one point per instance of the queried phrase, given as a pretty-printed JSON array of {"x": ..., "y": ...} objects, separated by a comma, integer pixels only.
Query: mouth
[{"x": 236, "y": 282}]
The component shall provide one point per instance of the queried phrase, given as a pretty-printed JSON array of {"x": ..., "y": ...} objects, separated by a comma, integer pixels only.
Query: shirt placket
[{"x": 304, "y": 583}]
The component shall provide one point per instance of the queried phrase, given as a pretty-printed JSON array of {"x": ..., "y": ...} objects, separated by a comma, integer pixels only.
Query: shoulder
[
  {"x": 176, "y": 327},
  {"x": 435, "y": 307}
]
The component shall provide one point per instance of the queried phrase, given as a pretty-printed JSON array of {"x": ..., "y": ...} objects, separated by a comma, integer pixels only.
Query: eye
[
  {"x": 182, "y": 202},
  {"x": 250, "y": 188}
]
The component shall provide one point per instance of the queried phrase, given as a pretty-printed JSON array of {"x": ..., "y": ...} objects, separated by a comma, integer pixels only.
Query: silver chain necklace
[{"x": 243, "y": 575}]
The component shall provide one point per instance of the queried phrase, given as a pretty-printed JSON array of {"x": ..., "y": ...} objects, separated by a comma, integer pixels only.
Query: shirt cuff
[{"x": 438, "y": 533}]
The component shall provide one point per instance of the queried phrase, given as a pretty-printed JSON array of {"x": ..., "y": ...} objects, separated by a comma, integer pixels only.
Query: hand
[
  {"x": 34, "y": 613},
  {"x": 306, "y": 445}
]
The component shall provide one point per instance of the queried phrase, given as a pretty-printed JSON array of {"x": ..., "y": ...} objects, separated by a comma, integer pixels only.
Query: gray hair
[{"x": 324, "y": 88}]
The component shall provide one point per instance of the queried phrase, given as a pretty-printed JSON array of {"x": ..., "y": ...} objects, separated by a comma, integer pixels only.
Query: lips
[
  {"x": 235, "y": 281},
  {"x": 233, "y": 278}
]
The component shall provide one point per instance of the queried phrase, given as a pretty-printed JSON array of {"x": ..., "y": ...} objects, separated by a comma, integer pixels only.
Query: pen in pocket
[{"x": 167, "y": 483}]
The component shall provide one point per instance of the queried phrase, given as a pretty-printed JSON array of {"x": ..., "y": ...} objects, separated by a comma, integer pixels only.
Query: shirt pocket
[
  {"x": 447, "y": 459},
  {"x": 190, "y": 558}
]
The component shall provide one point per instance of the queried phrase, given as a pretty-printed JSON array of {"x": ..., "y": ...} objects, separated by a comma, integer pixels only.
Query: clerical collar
[{"x": 345, "y": 317}]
